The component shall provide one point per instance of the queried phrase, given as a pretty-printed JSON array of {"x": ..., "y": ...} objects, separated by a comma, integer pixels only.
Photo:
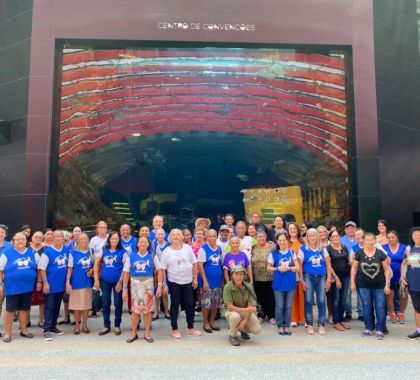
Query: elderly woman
[
  {"x": 410, "y": 276},
  {"x": 323, "y": 236},
  {"x": 396, "y": 304},
  {"x": 236, "y": 257},
  {"x": 53, "y": 269},
  {"x": 48, "y": 236},
  {"x": 17, "y": 281},
  {"x": 37, "y": 296},
  {"x": 210, "y": 268},
  {"x": 371, "y": 270},
  {"x": 263, "y": 278},
  {"x": 315, "y": 275},
  {"x": 181, "y": 265},
  {"x": 108, "y": 274},
  {"x": 3, "y": 246},
  {"x": 159, "y": 245},
  {"x": 140, "y": 268},
  {"x": 246, "y": 241},
  {"x": 80, "y": 282},
  {"x": 283, "y": 263}
]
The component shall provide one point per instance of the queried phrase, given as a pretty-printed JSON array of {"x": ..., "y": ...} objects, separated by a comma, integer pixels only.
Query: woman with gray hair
[
  {"x": 315, "y": 275},
  {"x": 263, "y": 279},
  {"x": 181, "y": 265}
]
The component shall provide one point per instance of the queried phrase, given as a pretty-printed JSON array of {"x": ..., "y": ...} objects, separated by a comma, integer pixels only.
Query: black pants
[
  {"x": 265, "y": 297},
  {"x": 181, "y": 294}
]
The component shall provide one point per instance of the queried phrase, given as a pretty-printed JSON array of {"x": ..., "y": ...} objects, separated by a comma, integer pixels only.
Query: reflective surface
[{"x": 188, "y": 132}]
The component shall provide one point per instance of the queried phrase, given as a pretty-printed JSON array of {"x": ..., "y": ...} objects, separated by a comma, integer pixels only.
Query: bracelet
[
  {"x": 334, "y": 276},
  {"x": 44, "y": 280},
  {"x": 159, "y": 283},
  {"x": 328, "y": 280},
  {"x": 387, "y": 283},
  {"x": 120, "y": 281},
  {"x": 163, "y": 282},
  {"x": 124, "y": 287}
]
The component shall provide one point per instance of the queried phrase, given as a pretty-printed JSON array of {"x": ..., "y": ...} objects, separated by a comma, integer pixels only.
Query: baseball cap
[
  {"x": 224, "y": 227},
  {"x": 238, "y": 268},
  {"x": 350, "y": 223}
]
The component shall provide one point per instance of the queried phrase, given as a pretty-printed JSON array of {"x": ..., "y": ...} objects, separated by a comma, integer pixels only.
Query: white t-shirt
[
  {"x": 246, "y": 246},
  {"x": 96, "y": 244},
  {"x": 222, "y": 245},
  {"x": 179, "y": 264}
]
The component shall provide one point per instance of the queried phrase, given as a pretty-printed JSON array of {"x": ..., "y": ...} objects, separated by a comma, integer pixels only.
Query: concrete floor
[{"x": 338, "y": 355}]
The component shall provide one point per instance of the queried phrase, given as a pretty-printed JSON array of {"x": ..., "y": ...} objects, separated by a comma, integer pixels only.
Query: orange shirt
[{"x": 295, "y": 245}]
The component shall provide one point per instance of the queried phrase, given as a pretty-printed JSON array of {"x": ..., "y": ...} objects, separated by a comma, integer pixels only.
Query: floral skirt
[
  {"x": 142, "y": 295},
  {"x": 212, "y": 299}
]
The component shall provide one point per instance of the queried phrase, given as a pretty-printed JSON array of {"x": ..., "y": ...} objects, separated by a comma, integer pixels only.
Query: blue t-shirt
[
  {"x": 313, "y": 262},
  {"x": 396, "y": 260},
  {"x": 82, "y": 263},
  {"x": 112, "y": 264},
  {"x": 129, "y": 245},
  {"x": 20, "y": 271},
  {"x": 153, "y": 235},
  {"x": 141, "y": 266},
  {"x": 356, "y": 248},
  {"x": 157, "y": 249},
  {"x": 212, "y": 266},
  {"x": 345, "y": 240},
  {"x": 283, "y": 281},
  {"x": 413, "y": 269},
  {"x": 57, "y": 268},
  {"x": 5, "y": 246}
]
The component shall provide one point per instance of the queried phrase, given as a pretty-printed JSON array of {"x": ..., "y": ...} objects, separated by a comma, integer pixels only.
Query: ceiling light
[{"x": 136, "y": 134}]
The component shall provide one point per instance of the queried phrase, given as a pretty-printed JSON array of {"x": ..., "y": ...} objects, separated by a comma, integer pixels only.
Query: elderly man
[{"x": 239, "y": 307}]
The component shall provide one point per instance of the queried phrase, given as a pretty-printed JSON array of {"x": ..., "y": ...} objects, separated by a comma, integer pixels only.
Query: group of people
[{"x": 245, "y": 272}]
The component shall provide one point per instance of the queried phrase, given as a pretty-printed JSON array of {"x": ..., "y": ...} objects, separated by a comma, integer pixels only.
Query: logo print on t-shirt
[
  {"x": 214, "y": 259},
  {"x": 84, "y": 262},
  {"x": 370, "y": 270},
  {"x": 315, "y": 260},
  {"x": 109, "y": 261},
  {"x": 285, "y": 262},
  {"x": 23, "y": 262},
  {"x": 60, "y": 261},
  {"x": 141, "y": 265}
]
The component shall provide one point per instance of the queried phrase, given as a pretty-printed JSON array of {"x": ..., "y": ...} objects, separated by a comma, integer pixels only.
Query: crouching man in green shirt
[{"x": 239, "y": 307}]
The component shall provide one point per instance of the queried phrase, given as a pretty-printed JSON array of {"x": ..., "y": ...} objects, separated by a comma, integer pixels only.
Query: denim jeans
[
  {"x": 283, "y": 307},
  {"x": 315, "y": 285},
  {"x": 349, "y": 307},
  {"x": 52, "y": 310},
  {"x": 395, "y": 286},
  {"x": 107, "y": 289},
  {"x": 373, "y": 301},
  {"x": 338, "y": 299}
]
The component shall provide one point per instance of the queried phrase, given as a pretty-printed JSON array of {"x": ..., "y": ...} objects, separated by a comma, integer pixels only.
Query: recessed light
[
  {"x": 136, "y": 134},
  {"x": 175, "y": 139}
]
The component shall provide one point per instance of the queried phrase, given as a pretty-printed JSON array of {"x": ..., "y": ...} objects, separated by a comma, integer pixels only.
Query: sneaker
[
  {"x": 366, "y": 333},
  {"x": 293, "y": 324},
  {"x": 380, "y": 335},
  {"x": 310, "y": 330},
  {"x": 57, "y": 331},
  {"x": 234, "y": 341},
  {"x": 321, "y": 330},
  {"x": 348, "y": 318},
  {"x": 386, "y": 331},
  {"x": 48, "y": 336},
  {"x": 401, "y": 318},
  {"x": 245, "y": 336},
  {"x": 414, "y": 335},
  {"x": 359, "y": 318},
  {"x": 194, "y": 332}
]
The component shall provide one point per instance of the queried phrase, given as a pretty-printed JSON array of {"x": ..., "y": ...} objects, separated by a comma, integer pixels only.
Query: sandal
[
  {"x": 208, "y": 330},
  {"x": 132, "y": 339},
  {"x": 28, "y": 335},
  {"x": 86, "y": 331},
  {"x": 175, "y": 334},
  {"x": 167, "y": 316},
  {"x": 7, "y": 339},
  {"x": 76, "y": 332},
  {"x": 215, "y": 328},
  {"x": 40, "y": 325},
  {"x": 339, "y": 327},
  {"x": 117, "y": 331},
  {"x": 149, "y": 339},
  {"x": 63, "y": 322}
]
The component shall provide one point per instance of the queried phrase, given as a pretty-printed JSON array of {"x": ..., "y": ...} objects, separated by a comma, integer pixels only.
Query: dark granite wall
[
  {"x": 397, "y": 62},
  {"x": 15, "y": 46}
]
